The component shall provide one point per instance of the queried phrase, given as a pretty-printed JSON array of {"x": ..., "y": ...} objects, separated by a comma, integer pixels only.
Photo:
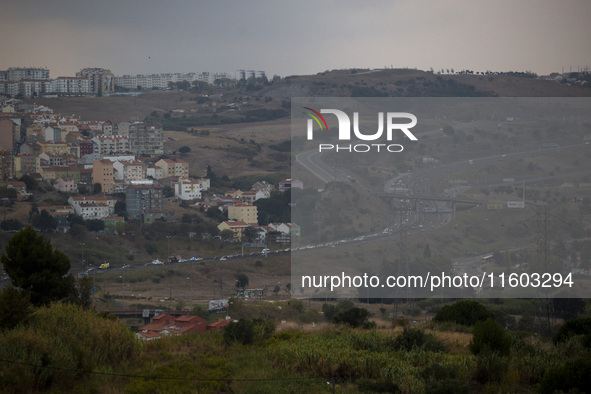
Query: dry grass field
[{"x": 227, "y": 148}]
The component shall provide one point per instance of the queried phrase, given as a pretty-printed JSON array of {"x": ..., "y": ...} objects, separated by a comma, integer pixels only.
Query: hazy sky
[{"x": 294, "y": 37}]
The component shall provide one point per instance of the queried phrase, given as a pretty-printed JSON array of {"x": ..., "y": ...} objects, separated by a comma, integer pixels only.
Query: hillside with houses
[{"x": 113, "y": 172}]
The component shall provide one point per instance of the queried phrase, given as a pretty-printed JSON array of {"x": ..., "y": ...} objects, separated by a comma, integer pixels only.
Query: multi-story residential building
[
  {"x": 187, "y": 189},
  {"x": 243, "y": 212},
  {"x": 33, "y": 88},
  {"x": 174, "y": 168},
  {"x": 51, "y": 160},
  {"x": 103, "y": 173},
  {"x": 121, "y": 128},
  {"x": 6, "y": 169},
  {"x": 20, "y": 73},
  {"x": 112, "y": 145},
  {"x": 154, "y": 172},
  {"x": 9, "y": 88},
  {"x": 246, "y": 74},
  {"x": 92, "y": 207},
  {"x": 102, "y": 81},
  {"x": 54, "y": 148},
  {"x": 236, "y": 226},
  {"x": 142, "y": 198},
  {"x": 86, "y": 147},
  {"x": 53, "y": 173},
  {"x": 154, "y": 81},
  {"x": 146, "y": 138},
  {"x": 121, "y": 157},
  {"x": 120, "y": 186},
  {"x": 9, "y": 133},
  {"x": 107, "y": 127},
  {"x": 26, "y": 164},
  {"x": 31, "y": 82},
  {"x": 70, "y": 86},
  {"x": 129, "y": 170}
]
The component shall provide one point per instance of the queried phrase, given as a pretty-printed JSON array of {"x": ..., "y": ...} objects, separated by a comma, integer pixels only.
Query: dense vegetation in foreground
[{"x": 64, "y": 347}]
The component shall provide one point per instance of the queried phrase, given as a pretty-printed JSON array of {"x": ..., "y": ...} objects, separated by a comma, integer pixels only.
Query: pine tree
[{"x": 33, "y": 265}]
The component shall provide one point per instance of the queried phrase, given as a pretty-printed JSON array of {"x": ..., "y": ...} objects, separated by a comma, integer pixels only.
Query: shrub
[
  {"x": 412, "y": 338},
  {"x": 59, "y": 340},
  {"x": 574, "y": 376},
  {"x": 331, "y": 310},
  {"x": 489, "y": 336},
  {"x": 354, "y": 317},
  {"x": 573, "y": 327},
  {"x": 465, "y": 312},
  {"x": 246, "y": 332}
]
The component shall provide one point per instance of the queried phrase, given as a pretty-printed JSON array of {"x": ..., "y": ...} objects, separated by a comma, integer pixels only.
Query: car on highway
[{"x": 174, "y": 259}]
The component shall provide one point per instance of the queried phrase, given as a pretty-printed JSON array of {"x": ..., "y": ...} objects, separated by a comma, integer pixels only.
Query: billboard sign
[{"x": 218, "y": 305}]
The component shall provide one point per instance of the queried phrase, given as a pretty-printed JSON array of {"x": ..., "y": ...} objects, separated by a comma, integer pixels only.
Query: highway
[{"x": 417, "y": 186}]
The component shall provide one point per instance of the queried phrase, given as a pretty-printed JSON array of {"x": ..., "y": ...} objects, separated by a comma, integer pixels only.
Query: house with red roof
[{"x": 166, "y": 325}]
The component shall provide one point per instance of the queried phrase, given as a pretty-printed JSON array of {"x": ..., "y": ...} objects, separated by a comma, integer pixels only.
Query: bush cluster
[
  {"x": 464, "y": 312},
  {"x": 58, "y": 344}
]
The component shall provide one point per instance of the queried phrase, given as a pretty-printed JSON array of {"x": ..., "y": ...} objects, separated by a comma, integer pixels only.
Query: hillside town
[{"x": 113, "y": 171}]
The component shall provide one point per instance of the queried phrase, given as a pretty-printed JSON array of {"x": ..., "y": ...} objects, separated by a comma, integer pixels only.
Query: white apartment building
[
  {"x": 246, "y": 74},
  {"x": 111, "y": 145},
  {"x": 92, "y": 207},
  {"x": 157, "y": 81},
  {"x": 187, "y": 189},
  {"x": 32, "y": 87},
  {"x": 69, "y": 85},
  {"x": 161, "y": 81}
]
